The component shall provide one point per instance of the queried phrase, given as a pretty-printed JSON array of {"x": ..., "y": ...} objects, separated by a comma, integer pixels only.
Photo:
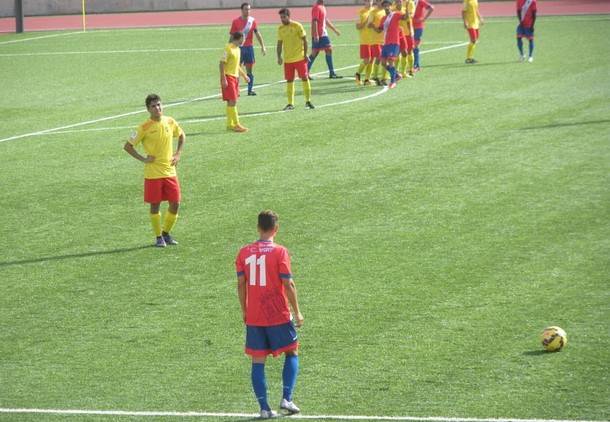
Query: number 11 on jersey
[{"x": 260, "y": 263}]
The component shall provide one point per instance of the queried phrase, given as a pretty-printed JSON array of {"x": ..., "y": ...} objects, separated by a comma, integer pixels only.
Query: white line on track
[
  {"x": 63, "y": 34},
  {"x": 131, "y": 113},
  {"x": 251, "y": 415}
]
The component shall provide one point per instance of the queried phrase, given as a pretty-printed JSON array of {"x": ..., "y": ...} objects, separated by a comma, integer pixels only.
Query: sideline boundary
[{"x": 253, "y": 415}]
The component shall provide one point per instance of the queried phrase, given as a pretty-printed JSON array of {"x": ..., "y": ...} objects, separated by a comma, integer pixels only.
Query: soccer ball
[{"x": 553, "y": 339}]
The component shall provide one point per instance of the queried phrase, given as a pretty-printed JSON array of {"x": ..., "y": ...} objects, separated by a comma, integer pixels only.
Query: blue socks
[
  {"x": 531, "y": 48},
  {"x": 259, "y": 384},
  {"x": 251, "y": 83},
  {"x": 329, "y": 62},
  {"x": 520, "y": 45},
  {"x": 289, "y": 375},
  {"x": 311, "y": 60},
  {"x": 416, "y": 55},
  {"x": 392, "y": 71}
]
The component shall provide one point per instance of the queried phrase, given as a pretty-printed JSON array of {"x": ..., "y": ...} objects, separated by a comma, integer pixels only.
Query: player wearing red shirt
[
  {"x": 526, "y": 12},
  {"x": 423, "y": 10},
  {"x": 320, "y": 40},
  {"x": 247, "y": 26},
  {"x": 266, "y": 292},
  {"x": 390, "y": 25}
]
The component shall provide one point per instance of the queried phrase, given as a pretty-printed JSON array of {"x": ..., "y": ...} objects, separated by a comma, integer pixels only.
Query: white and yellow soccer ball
[{"x": 553, "y": 339}]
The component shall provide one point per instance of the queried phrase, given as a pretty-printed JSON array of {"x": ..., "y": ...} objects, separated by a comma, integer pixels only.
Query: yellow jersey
[
  {"x": 157, "y": 140},
  {"x": 230, "y": 57},
  {"x": 471, "y": 15},
  {"x": 366, "y": 34},
  {"x": 407, "y": 24},
  {"x": 375, "y": 17},
  {"x": 291, "y": 36}
]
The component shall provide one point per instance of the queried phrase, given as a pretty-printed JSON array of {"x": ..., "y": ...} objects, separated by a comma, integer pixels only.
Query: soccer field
[{"x": 435, "y": 229}]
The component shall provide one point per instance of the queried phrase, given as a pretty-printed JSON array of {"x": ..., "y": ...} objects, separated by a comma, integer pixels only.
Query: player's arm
[
  {"x": 333, "y": 27},
  {"x": 429, "y": 11},
  {"x": 223, "y": 76},
  {"x": 243, "y": 74},
  {"x": 259, "y": 37},
  {"x": 241, "y": 294},
  {"x": 278, "y": 50},
  {"x": 305, "y": 47},
  {"x": 129, "y": 148},
  {"x": 314, "y": 29},
  {"x": 480, "y": 17},
  {"x": 464, "y": 18},
  {"x": 176, "y": 157},
  {"x": 291, "y": 295},
  {"x": 533, "y": 18}
]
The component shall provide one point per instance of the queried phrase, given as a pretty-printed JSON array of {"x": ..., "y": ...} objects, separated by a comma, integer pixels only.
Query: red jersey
[
  {"x": 265, "y": 264},
  {"x": 527, "y": 9},
  {"x": 391, "y": 28},
  {"x": 318, "y": 12},
  {"x": 421, "y": 6},
  {"x": 246, "y": 27}
]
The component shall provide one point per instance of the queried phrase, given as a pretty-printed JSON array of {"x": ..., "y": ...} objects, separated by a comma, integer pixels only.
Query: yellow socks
[
  {"x": 361, "y": 67},
  {"x": 369, "y": 70},
  {"x": 411, "y": 61},
  {"x": 290, "y": 92},
  {"x": 155, "y": 222},
  {"x": 232, "y": 119},
  {"x": 402, "y": 66},
  {"x": 306, "y": 90},
  {"x": 470, "y": 51},
  {"x": 169, "y": 220}
]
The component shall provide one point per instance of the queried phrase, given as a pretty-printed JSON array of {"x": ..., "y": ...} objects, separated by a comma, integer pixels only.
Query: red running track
[{"x": 301, "y": 14}]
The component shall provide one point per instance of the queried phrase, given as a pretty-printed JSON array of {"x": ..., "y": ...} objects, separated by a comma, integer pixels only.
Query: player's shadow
[
  {"x": 556, "y": 125},
  {"x": 72, "y": 256},
  {"x": 478, "y": 64},
  {"x": 535, "y": 353}
]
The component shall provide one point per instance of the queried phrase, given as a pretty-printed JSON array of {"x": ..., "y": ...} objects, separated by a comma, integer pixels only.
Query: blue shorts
[
  {"x": 247, "y": 55},
  {"x": 274, "y": 340},
  {"x": 523, "y": 32},
  {"x": 322, "y": 44},
  {"x": 390, "y": 50},
  {"x": 418, "y": 33}
]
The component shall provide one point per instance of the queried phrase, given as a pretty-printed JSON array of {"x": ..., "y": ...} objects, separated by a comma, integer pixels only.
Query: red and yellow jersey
[
  {"x": 366, "y": 34},
  {"x": 265, "y": 265},
  {"x": 230, "y": 57},
  {"x": 292, "y": 36},
  {"x": 420, "y": 6},
  {"x": 408, "y": 7},
  {"x": 391, "y": 28},
  {"x": 527, "y": 9},
  {"x": 157, "y": 140},
  {"x": 375, "y": 18},
  {"x": 246, "y": 27},
  {"x": 471, "y": 13},
  {"x": 318, "y": 14}
]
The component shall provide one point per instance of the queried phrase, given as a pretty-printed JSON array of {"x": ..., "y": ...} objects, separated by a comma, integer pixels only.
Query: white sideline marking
[
  {"x": 38, "y": 38},
  {"x": 131, "y": 113},
  {"x": 252, "y": 415}
]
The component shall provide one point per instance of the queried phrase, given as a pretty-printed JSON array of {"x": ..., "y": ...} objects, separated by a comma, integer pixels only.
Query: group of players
[{"x": 390, "y": 32}]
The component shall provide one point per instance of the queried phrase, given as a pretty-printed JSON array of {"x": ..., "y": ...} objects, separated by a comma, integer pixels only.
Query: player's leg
[
  {"x": 249, "y": 67},
  {"x": 314, "y": 53},
  {"x": 328, "y": 51},
  {"x": 171, "y": 193},
  {"x": 258, "y": 347},
  {"x": 153, "y": 196},
  {"x": 303, "y": 72},
  {"x": 530, "y": 37},
  {"x": 520, "y": 42},
  {"x": 289, "y": 380},
  {"x": 402, "y": 64},
  {"x": 289, "y": 71},
  {"x": 417, "y": 35},
  {"x": 474, "y": 36}
]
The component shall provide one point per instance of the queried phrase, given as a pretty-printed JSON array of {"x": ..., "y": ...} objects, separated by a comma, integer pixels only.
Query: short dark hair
[
  {"x": 244, "y": 4},
  {"x": 284, "y": 11},
  {"x": 236, "y": 36},
  {"x": 151, "y": 98},
  {"x": 267, "y": 220}
]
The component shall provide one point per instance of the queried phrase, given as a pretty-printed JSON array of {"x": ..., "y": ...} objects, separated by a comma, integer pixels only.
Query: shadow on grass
[
  {"x": 536, "y": 353},
  {"x": 72, "y": 256},
  {"x": 556, "y": 125},
  {"x": 478, "y": 64}
]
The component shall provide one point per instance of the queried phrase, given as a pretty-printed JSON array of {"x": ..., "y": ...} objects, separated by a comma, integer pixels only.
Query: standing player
[
  {"x": 423, "y": 10},
  {"x": 406, "y": 41},
  {"x": 320, "y": 40},
  {"x": 247, "y": 26},
  {"x": 526, "y": 12},
  {"x": 292, "y": 41},
  {"x": 229, "y": 80},
  {"x": 390, "y": 25},
  {"x": 366, "y": 43},
  {"x": 266, "y": 292},
  {"x": 472, "y": 21},
  {"x": 160, "y": 179},
  {"x": 375, "y": 17}
]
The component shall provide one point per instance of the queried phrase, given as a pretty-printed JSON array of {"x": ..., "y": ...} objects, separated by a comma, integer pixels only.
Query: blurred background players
[
  {"x": 390, "y": 26},
  {"x": 247, "y": 26},
  {"x": 472, "y": 20},
  {"x": 423, "y": 10},
  {"x": 292, "y": 42},
  {"x": 319, "y": 36},
  {"x": 375, "y": 17},
  {"x": 229, "y": 80},
  {"x": 526, "y": 12},
  {"x": 406, "y": 67},
  {"x": 366, "y": 43},
  {"x": 160, "y": 178},
  {"x": 266, "y": 292}
]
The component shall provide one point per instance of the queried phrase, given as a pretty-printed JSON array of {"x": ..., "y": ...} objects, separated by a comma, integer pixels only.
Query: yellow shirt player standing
[
  {"x": 375, "y": 17},
  {"x": 229, "y": 80},
  {"x": 407, "y": 44},
  {"x": 366, "y": 43},
  {"x": 156, "y": 135},
  {"x": 292, "y": 43},
  {"x": 472, "y": 21}
]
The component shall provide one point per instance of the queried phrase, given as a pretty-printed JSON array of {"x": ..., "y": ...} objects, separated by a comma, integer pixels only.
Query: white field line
[
  {"x": 131, "y": 113},
  {"x": 63, "y": 34},
  {"x": 251, "y": 415},
  {"x": 164, "y": 50}
]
